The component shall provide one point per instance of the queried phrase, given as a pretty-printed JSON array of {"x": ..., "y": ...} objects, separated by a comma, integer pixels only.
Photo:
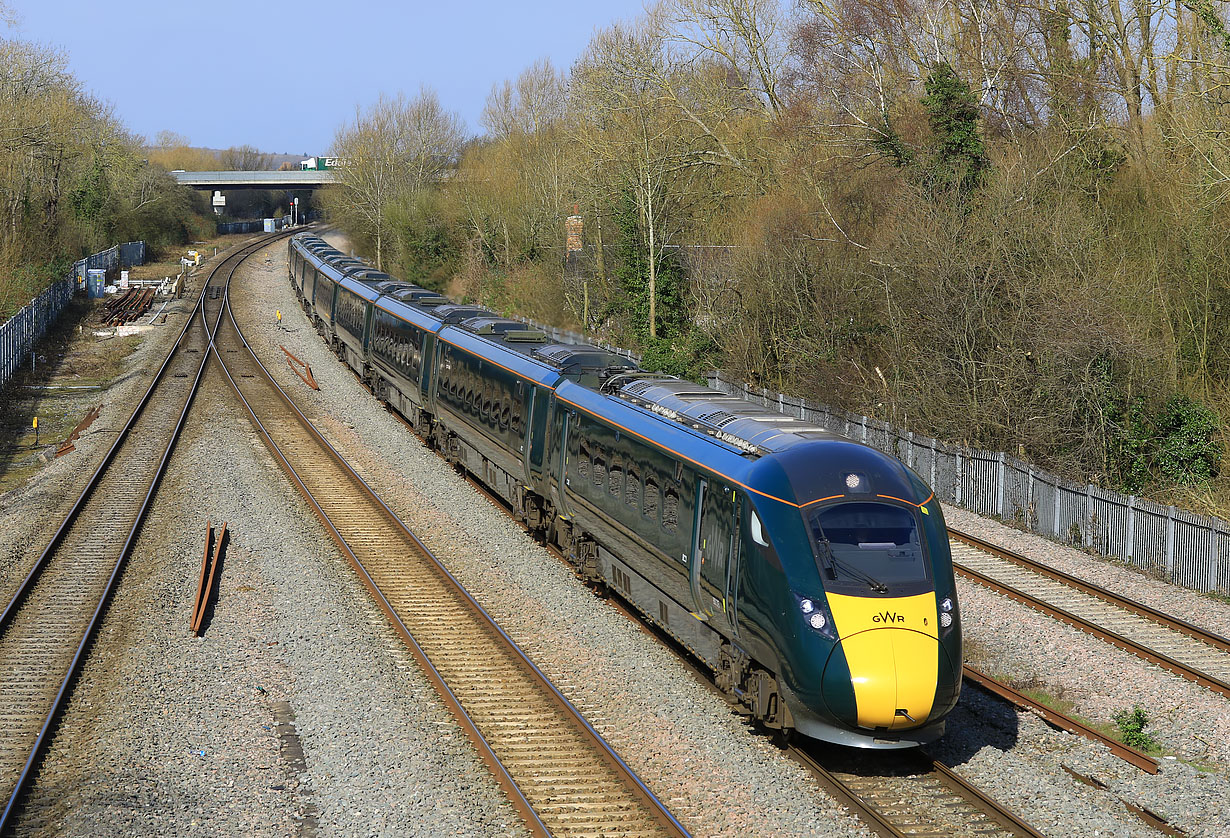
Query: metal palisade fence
[
  {"x": 1188, "y": 549},
  {"x": 19, "y": 332}
]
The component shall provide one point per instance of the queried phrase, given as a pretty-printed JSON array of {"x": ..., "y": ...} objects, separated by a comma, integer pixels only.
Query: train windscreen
[{"x": 869, "y": 549}]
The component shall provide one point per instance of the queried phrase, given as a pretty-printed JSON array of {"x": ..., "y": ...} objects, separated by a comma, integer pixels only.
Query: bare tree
[
  {"x": 743, "y": 36},
  {"x": 533, "y": 103},
  {"x": 641, "y": 144},
  {"x": 395, "y": 147},
  {"x": 245, "y": 158}
]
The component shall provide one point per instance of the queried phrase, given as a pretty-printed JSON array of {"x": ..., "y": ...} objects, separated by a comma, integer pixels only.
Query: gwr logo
[{"x": 888, "y": 617}]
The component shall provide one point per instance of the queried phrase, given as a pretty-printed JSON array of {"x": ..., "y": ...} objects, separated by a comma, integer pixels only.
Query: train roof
[
  {"x": 584, "y": 364},
  {"x": 749, "y": 426},
  {"x": 370, "y": 274},
  {"x": 741, "y": 425},
  {"x": 421, "y": 318},
  {"x": 359, "y": 287},
  {"x": 415, "y": 295},
  {"x": 512, "y": 331}
]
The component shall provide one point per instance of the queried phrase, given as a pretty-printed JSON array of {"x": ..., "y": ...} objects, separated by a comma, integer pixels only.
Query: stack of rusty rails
[
  {"x": 300, "y": 368},
  {"x": 209, "y": 573},
  {"x": 68, "y": 443},
  {"x": 132, "y": 305},
  {"x": 114, "y": 306}
]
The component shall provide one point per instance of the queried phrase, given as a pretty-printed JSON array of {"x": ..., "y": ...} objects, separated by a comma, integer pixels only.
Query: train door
[
  {"x": 540, "y": 415},
  {"x": 567, "y": 419},
  {"x": 712, "y": 548}
]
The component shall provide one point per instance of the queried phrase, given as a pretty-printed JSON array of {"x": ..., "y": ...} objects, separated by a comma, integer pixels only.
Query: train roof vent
[
  {"x": 455, "y": 313},
  {"x": 493, "y": 325},
  {"x": 391, "y": 286},
  {"x": 717, "y": 418},
  {"x": 411, "y": 293},
  {"x": 430, "y": 300},
  {"x": 558, "y": 354},
  {"x": 639, "y": 386},
  {"x": 525, "y": 336}
]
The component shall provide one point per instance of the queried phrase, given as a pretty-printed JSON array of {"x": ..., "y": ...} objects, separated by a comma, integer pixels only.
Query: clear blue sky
[{"x": 283, "y": 76}]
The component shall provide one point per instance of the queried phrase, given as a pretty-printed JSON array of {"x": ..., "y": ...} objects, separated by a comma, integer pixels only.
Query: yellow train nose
[{"x": 893, "y": 672}]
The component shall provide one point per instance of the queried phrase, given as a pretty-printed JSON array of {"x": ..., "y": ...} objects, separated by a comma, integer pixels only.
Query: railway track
[
  {"x": 910, "y": 794},
  {"x": 1174, "y": 644},
  {"x": 50, "y": 618},
  {"x": 555, "y": 768}
]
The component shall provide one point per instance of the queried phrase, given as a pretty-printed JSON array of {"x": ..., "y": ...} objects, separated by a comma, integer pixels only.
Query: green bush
[
  {"x": 688, "y": 357},
  {"x": 1180, "y": 443},
  {"x": 1132, "y": 729},
  {"x": 1188, "y": 450}
]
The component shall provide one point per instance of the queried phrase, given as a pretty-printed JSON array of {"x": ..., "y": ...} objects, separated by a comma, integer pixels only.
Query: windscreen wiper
[{"x": 850, "y": 569}]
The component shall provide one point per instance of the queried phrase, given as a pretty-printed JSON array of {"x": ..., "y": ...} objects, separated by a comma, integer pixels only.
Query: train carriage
[
  {"x": 352, "y": 314},
  {"x": 403, "y": 337},
  {"x": 494, "y": 399},
  {"x": 324, "y": 279}
]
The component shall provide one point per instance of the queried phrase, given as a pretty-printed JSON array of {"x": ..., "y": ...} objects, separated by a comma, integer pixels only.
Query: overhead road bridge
[{"x": 254, "y": 180}]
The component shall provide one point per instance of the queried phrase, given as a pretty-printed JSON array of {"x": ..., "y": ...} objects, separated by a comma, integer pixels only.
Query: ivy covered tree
[{"x": 958, "y": 156}]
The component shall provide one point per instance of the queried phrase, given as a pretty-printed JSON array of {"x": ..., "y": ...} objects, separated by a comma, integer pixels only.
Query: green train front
[{"x": 852, "y": 588}]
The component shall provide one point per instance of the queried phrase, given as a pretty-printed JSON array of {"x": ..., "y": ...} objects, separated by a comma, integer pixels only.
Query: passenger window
[
  {"x": 616, "y": 482},
  {"x": 599, "y": 470},
  {"x": 583, "y": 463},
  {"x": 632, "y": 493},
  {"x": 651, "y": 499},
  {"x": 670, "y": 511}
]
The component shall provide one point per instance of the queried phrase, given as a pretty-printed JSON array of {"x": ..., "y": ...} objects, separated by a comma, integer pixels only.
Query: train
[{"x": 810, "y": 573}]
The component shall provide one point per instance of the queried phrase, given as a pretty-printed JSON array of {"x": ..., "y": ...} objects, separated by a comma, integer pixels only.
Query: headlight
[
  {"x": 814, "y": 614},
  {"x": 945, "y": 619}
]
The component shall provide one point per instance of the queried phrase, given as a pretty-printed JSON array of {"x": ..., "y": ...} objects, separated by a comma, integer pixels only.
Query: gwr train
[{"x": 811, "y": 573}]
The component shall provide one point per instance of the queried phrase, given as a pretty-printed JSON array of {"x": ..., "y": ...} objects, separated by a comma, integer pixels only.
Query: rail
[
  {"x": 1174, "y": 644},
  {"x": 556, "y": 769},
  {"x": 53, "y": 614}
]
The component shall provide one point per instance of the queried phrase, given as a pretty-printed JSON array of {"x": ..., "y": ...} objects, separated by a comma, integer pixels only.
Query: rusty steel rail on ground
[
  {"x": 209, "y": 573},
  {"x": 1062, "y": 721},
  {"x": 68, "y": 443},
  {"x": 1204, "y": 639},
  {"x": 300, "y": 368}
]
